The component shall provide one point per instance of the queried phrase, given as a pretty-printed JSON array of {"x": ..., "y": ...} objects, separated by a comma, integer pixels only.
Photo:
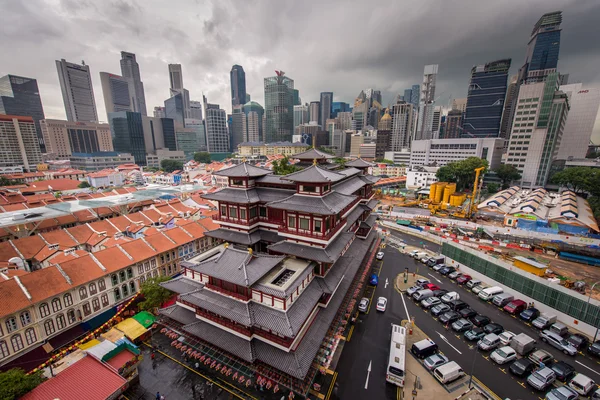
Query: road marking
[
  {"x": 521, "y": 383},
  {"x": 371, "y": 301},
  {"x": 585, "y": 366},
  {"x": 386, "y": 283},
  {"x": 503, "y": 370},
  {"x": 446, "y": 340},
  {"x": 331, "y": 386},
  {"x": 405, "y": 308},
  {"x": 435, "y": 278},
  {"x": 368, "y": 373},
  {"x": 350, "y": 333}
]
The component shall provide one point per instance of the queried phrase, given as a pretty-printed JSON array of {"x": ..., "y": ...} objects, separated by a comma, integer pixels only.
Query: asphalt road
[{"x": 497, "y": 378}]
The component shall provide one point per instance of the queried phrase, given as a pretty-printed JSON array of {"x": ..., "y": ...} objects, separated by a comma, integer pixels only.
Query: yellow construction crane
[{"x": 472, "y": 205}]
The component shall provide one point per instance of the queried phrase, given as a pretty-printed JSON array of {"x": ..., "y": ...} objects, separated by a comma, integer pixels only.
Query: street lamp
[
  {"x": 472, "y": 369},
  {"x": 587, "y": 306}
]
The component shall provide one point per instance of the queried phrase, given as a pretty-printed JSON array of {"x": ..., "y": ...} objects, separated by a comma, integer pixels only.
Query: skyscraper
[
  {"x": 485, "y": 100},
  {"x": 253, "y": 122},
  {"x": 580, "y": 122},
  {"x": 238, "y": 122},
  {"x": 459, "y": 104},
  {"x": 118, "y": 93},
  {"x": 300, "y": 115},
  {"x": 128, "y": 134},
  {"x": 217, "y": 134},
  {"x": 20, "y": 145},
  {"x": 279, "y": 108},
  {"x": 453, "y": 125},
  {"x": 326, "y": 103},
  {"x": 413, "y": 95},
  {"x": 63, "y": 138},
  {"x": 195, "y": 110},
  {"x": 427, "y": 103},
  {"x": 337, "y": 107},
  {"x": 537, "y": 130},
  {"x": 77, "y": 91},
  {"x": 403, "y": 123},
  {"x": 175, "y": 109},
  {"x": 238, "y": 86},
  {"x": 176, "y": 78},
  {"x": 198, "y": 126},
  {"x": 541, "y": 58},
  {"x": 20, "y": 96},
  {"x": 131, "y": 69},
  {"x": 297, "y": 100},
  {"x": 159, "y": 112},
  {"x": 511, "y": 93},
  {"x": 313, "y": 111},
  {"x": 437, "y": 120}
]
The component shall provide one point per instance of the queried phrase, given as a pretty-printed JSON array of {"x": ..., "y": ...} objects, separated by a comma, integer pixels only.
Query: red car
[
  {"x": 431, "y": 286},
  {"x": 515, "y": 307},
  {"x": 461, "y": 280}
]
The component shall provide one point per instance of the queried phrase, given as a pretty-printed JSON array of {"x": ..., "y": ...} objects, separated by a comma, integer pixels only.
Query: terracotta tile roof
[
  {"x": 152, "y": 214},
  {"x": 39, "y": 197},
  {"x": 15, "y": 207},
  {"x": 208, "y": 223},
  {"x": 178, "y": 235},
  {"x": 161, "y": 242},
  {"x": 59, "y": 237},
  {"x": 47, "y": 224},
  {"x": 138, "y": 250},
  {"x": 113, "y": 259},
  {"x": 29, "y": 246},
  {"x": 82, "y": 270},
  {"x": 104, "y": 226},
  {"x": 12, "y": 197},
  {"x": 84, "y": 216},
  {"x": 81, "y": 232},
  {"x": 151, "y": 231},
  {"x": 12, "y": 298},
  {"x": 66, "y": 219},
  {"x": 113, "y": 241},
  {"x": 45, "y": 253},
  {"x": 140, "y": 217},
  {"x": 195, "y": 229},
  {"x": 61, "y": 257},
  {"x": 105, "y": 211},
  {"x": 45, "y": 283},
  {"x": 11, "y": 272},
  {"x": 67, "y": 384},
  {"x": 56, "y": 185},
  {"x": 121, "y": 222}
]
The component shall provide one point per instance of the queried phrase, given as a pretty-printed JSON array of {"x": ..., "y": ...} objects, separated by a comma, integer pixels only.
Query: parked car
[
  {"x": 480, "y": 320},
  {"x": 374, "y": 280},
  {"x": 555, "y": 340},
  {"x": 540, "y": 357},
  {"x": 439, "y": 293},
  {"x": 450, "y": 296},
  {"x": 474, "y": 334},
  {"x": 381, "y": 304},
  {"x": 380, "y": 255},
  {"x": 448, "y": 372},
  {"x": 522, "y": 367},
  {"x": 541, "y": 379},
  {"x": 462, "y": 325},
  {"x": 559, "y": 328},
  {"x": 506, "y": 337},
  {"x": 413, "y": 289},
  {"x": 430, "y": 302},
  {"x": 477, "y": 289},
  {"x": 594, "y": 348},
  {"x": 493, "y": 328},
  {"x": 454, "y": 275},
  {"x": 463, "y": 279},
  {"x": 562, "y": 393},
  {"x": 472, "y": 283},
  {"x": 489, "y": 342},
  {"x": 421, "y": 282},
  {"x": 439, "y": 267},
  {"x": 447, "y": 270},
  {"x": 529, "y": 314},
  {"x": 582, "y": 384},
  {"x": 424, "y": 259},
  {"x": 434, "y": 361},
  {"x": 363, "y": 305},
  {"x": 458, "y": 305},
  {"x": 578, "y": 341},
  {"x": 449, "y": 317},
  {"x": 467, "y": 312},
  {"x": 503, "y": 355},
  {"x": 439, "y": 309},
  {"x": 430, "y": 286},
  {"x": 515, "y": 307},
  {"x": 563, "y": 371},
  {"x": 544, "y": 321}
]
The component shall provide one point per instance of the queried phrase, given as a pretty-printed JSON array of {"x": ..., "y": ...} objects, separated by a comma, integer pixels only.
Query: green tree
[
  {"x": 507, "y": 173},
  {"x": 383, "y": 161},
  {"x": 326, "y": 150},
  {"x": 202, "y": 157},
  {"x": 283, "y": 167},
  {"x": 14, "y": 383},
  {"x": 446, "y": 174},
  {"x": 577, "y": 179},
  {"x": 7, "y": 182},
  {"x": 84, "y": 185},
  {"x": 171, "y": 165},
  {"x": 462, "y": 172},
  {"x": 154, "y": 294},
  {"x": 340, "y": 160},
  {"x": 492, "y": 188}
]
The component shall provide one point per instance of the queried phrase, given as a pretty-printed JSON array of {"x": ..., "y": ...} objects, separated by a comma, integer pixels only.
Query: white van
[
  {"x": 450, "y": 296},
  {"x": 448, "y": 372},
  {"x": 422, "y": 294},
  {"x": 421, "y": 254},
  {"x": 488, "y": 293},
  {"x": 582, "y": 384}
]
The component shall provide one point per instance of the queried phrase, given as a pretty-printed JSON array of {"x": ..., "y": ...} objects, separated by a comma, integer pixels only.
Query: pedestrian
[
  {"x": 158, "y": 396},
  {"x": 152, "y": 355},
  {"x": 197, "y": 366}
]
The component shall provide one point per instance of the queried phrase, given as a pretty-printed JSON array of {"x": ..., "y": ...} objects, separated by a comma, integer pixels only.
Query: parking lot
[{"x": 497, "y": 377}]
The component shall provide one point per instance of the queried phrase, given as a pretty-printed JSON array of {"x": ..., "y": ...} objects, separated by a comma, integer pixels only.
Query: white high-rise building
[
  {"x": 345, "y": 120},
  {"x": 20, "y": 146},
  {"x": 537, "y": 130},
  {"x": 441, "y": 152},
  {"x": 252, "y": 126},
  {"x": 64, "y": 138},
  {"x": 217, "y": 134},
  {"x": 300, "y": 115},
  {"x": 580, "y": 122},
  {"x": 118, "y": 92},
  {"x": 77, "y": 91},
  {"x": 402, "y": 125},
  {"x": 427, "y": 103},
  {"x": 159, "y": 112},
  {"x": 196, "y": 109},
  {"x": 437, "y": 121},
  {"x": 313, "y": 111}
]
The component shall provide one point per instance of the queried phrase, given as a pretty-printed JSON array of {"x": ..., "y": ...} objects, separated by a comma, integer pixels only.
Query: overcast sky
[{"x": 327, "y": 45}]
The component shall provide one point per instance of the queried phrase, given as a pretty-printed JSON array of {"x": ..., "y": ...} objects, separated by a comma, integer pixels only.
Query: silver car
[
  {"x": 562, "y": 393},
  {"x": 363, "y": 305},
  {"x": 558, "y": 341},
  {"x": 434, "y": 361},
  {"x": 430, "y": 302},
  {"x": 412, "y": 290},
  {"x": 542, "y": 378}
]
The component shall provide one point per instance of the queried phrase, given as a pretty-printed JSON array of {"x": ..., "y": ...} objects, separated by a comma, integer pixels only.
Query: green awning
[
  {"x": 403, "y": 222},
  {"x": 144, "y": 318}
]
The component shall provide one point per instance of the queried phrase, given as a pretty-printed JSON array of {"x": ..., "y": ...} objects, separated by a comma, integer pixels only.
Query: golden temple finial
[
  {"x": 250, "y": 250},
  {"x": 225, "y": 245},
  {"x": 243, "y": 159},
  {"x": 314, "y": 161}
]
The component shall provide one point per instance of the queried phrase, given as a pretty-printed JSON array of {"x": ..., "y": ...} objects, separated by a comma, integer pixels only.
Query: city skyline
[{"x": 209, "y": 61}]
